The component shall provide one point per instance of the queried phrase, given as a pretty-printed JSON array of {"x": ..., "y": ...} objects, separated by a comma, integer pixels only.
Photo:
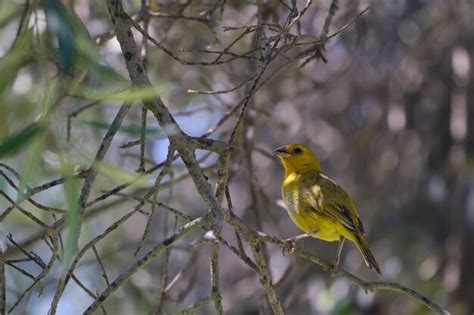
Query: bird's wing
[{"x": 329, "y": 199}]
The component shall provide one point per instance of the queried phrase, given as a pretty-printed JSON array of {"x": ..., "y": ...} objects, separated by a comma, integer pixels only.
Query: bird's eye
[{"x": 297, "y": 150}]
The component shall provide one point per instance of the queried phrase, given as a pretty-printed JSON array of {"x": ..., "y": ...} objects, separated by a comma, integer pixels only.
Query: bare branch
[
  {"x": 182, "y": 232},
  {"x": 3, "y": 282},
  {"x": 265, "y": 277},
  {"x": 255, "y": 236}
]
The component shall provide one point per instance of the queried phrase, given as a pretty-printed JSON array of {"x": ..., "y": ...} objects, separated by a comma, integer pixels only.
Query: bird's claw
[
  {"x": 291, "y": 247},
  {"x": 334, "y": 269}
]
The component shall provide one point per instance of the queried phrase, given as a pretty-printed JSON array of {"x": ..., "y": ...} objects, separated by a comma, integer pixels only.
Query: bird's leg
[
  {"x": 292, "y": 241},
  {"x": 335, "y": 264}
]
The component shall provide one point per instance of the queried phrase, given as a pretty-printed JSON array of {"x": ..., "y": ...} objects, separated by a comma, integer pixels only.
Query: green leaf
[
  {"x": 119, "y": 175},
  {"x": 34, "y": 149},
  {"x": 15, "y": 58},
  {"x": 8, "y": 13},
  {"x": 108, "y": 74},
  {"x": 71, "y": 194},
  {"x": 129, "y": 95},
  {"x": 29, "y": 168},
  {"x": 75, "y": 46},
  {"x": 17, "y": 141},
  {"x": 133, "y": 130}
]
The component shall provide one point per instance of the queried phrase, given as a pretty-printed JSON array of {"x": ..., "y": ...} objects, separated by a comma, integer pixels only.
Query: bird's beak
[{"x": 281, "y": 151}]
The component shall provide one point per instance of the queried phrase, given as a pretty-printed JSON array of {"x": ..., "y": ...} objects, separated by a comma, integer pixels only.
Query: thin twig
[
  {"x": 238, "y": 86},
  {"x": 33, "y": 202},
  {"x": 31, "y": 255},
  {"x": 265, "y": 277},
  {"x": 74, "y": 114},
  {"x": 331, "y": 13},
  {"x": 64, "y": 280},
  {"x": 342, "y": 29},
  {"x": 3, "y": 282},
  {"x": 44, "y": 272},
  {"x": 215, "y": 285},
  {"x": 23, "y": 211},
  {"x": 196, "y": 306},
  {"x": 158, "y": 249},
  {"x": 141, "y": 167},
  {"x": 164, "y": 171},
  {"x": 177, "y": 17},
  {"x": 101, "y": 265}
]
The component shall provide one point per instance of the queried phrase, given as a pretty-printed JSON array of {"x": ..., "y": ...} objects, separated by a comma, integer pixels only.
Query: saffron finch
[{"x": 319, "y": 206}]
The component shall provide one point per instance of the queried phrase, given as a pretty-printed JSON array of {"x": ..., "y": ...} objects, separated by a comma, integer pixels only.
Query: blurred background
[{"x": 390, "y": 115}]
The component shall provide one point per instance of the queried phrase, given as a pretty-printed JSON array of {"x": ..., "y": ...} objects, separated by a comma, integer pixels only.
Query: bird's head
[{"x": 297, "y": 158}]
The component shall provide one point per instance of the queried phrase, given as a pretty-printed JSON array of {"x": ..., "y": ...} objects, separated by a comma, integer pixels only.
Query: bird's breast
[
  {"x": 291, "y": 194},
  {"x": 290, "y": 197}
]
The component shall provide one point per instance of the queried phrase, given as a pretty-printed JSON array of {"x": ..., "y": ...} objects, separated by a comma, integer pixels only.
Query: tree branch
[
  {"x": 183, "y": 144},
  {"x": 155, "y": 251},
  {"x": 255, "y": 236}
]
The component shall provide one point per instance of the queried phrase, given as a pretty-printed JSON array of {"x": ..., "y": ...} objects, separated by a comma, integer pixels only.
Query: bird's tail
[{"x": 363, "y": 247}]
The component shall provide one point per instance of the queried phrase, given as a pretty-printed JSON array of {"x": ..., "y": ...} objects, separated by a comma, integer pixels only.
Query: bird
[{"x": 318, "y": 205}]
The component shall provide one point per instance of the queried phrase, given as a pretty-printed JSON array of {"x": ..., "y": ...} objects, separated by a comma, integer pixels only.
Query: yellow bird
[{"x": 319, "y": 206}]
